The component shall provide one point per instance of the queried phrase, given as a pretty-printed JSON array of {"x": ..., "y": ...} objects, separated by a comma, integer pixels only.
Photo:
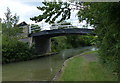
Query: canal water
[{"x": 42, "y": 69}]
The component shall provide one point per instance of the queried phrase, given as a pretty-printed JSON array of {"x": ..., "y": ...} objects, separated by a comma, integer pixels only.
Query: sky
[{"x": 26, "y": 9}]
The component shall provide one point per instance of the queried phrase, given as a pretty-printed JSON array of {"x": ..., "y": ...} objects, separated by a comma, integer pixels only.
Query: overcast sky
[{"x": 26, "y": 9}]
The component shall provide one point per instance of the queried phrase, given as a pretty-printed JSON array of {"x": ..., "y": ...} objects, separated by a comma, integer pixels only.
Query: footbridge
[
  {"x": 43, "y": 42},
  {"x": 60, "y": 32}
]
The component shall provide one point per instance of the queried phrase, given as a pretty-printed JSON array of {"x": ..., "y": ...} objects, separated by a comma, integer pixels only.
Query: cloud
[{"x": 25, "y": 11}]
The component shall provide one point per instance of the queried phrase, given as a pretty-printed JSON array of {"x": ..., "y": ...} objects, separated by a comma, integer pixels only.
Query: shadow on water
[{"x": 43, "y": 69}]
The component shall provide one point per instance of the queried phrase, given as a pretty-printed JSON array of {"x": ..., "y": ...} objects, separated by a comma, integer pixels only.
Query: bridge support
[{"x": 42, "y": 44}]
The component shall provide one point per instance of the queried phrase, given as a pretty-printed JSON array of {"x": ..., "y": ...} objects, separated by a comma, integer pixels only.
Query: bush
[
  {"x": 14, "y": 50},
  {"x": 59, "y": 43},
  {"x": 71, "y": 41}
]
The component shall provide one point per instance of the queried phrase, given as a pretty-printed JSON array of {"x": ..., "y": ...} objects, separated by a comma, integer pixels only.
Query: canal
[{"x": 42, "y": 69}]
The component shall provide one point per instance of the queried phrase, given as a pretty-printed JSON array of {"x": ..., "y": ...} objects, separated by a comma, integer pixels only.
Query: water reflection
[{"x": 94, "y": 48}]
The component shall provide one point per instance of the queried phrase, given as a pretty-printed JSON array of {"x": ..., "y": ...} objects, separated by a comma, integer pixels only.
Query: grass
[{"x": 80, "y": 69}]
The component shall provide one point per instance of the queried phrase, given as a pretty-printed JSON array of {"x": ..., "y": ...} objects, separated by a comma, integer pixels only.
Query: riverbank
[
  {"x": 84, "y": 67},
  {"x": 32, "y": 57}
]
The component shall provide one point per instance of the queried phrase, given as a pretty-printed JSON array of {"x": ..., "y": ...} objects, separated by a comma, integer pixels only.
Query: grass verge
[{"x": 81, "y": 69}]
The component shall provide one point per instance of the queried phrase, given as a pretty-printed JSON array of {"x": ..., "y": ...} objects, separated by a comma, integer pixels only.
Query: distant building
[
  {"x": 22, "y": 24},
  {"x": 25, "y": 32}
]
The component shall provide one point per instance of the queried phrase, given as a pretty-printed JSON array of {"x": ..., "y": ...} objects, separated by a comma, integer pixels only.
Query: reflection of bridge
[{"x": 42, "y": 38}]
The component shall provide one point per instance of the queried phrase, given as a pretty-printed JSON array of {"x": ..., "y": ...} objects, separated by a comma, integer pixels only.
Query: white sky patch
[{"x": 24, "y": 11}]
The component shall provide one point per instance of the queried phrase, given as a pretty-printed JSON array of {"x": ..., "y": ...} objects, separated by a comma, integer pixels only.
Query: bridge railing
[
  {"x": 33, "y": 30},
  {"x": 57, "y": 26},
  {"x": 62, "y": 26}
]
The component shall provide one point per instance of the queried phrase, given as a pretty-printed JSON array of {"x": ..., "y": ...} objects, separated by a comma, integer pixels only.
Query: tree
[
  {"x": 105, "y": 17},
  {"x": 52, "y": 10},
  {"x": 10, "y": 20},
  {"x": 12, "y": 49}
]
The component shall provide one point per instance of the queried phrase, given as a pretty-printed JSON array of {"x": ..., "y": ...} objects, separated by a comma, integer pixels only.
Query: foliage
[
  {"x": 105, "y": 17},
  {"x": 58, "y": 43},
  {"x": 52, "y": 10},
  {"x": 10, "y": 20},
  {"x": 72, "y": 41},
  {"x": 14, "y": 50},
  {"x": 9, "y": 27},
  {"x": 77, "y": 40},
  {"x": 11, "y": 32}
]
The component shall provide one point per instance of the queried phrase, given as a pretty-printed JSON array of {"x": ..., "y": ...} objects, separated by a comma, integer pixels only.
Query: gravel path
[{"x": 90, "y": 57}]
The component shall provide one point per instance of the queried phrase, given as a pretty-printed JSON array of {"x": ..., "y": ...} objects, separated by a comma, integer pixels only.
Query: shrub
[
  {"x": 71, "y": 41},
  {"x": 14, "y": 50}
]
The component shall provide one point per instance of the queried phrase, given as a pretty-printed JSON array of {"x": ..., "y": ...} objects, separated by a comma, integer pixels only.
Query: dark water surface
[{"x": 42, "y": 69}]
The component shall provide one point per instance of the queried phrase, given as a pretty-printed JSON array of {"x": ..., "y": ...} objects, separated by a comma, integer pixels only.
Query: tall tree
[{"x": 10, "y": 20}]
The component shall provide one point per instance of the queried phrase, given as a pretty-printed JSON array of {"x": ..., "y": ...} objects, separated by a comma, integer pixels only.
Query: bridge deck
[{"x": 60, "y": 32}]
